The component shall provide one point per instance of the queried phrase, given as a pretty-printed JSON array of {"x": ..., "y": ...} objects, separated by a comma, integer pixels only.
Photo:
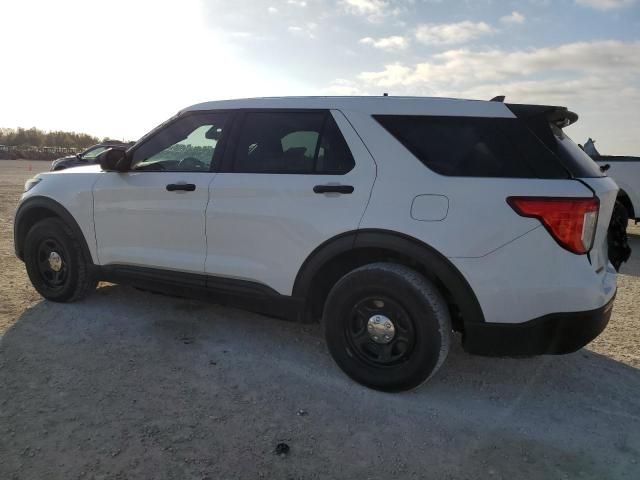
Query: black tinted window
[
  {"x": 474, "y": 147},
  {"x": 291, "y": 142},
  {"x": 334, "y": 156},
  {"x": 570, "y": 155}
]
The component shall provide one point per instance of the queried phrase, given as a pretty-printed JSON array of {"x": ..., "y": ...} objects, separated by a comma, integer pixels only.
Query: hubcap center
[
  {"x": 381, "y": 329},
  {"x": 55, "y": 261}
]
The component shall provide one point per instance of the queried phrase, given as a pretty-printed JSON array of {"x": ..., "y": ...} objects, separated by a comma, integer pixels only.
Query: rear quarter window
[
  {"x": 573, "y": 157},
  {"x": 474, "y": 146}
]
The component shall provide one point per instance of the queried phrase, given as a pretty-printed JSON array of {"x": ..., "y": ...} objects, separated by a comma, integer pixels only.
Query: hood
[
  {"x": 92, "y": 168},
  {"x": 63, "y": 159},
  {"x": 68, "y": 157}
]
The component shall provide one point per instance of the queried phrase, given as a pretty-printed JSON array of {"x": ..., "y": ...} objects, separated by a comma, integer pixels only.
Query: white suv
[{"x": 393, "y": 220}]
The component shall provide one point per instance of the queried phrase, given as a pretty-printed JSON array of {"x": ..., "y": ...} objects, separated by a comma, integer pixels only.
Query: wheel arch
[
  {"x": 350, "y": 250},
  {"x": 38, "y": 208}
]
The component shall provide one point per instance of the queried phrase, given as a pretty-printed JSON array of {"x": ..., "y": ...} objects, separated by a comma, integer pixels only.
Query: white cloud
[
  {"x": 599, "y": 80},
  {"x": 272, "y": 10},
  {"x": 392, "y": 43},
  {"x": 297, "y": 3},
  {"x": 307, "y": 30},
  {"x": 365, "y": 7},
  {"x": 609, "y": 59},
  {"x": 373, "y": 11},
  {"x": 513, "y": 18},
  {"x": 342, "y": 86},
  {"x": 605, "y": 4},
  {"x": 451, "y": 33}
]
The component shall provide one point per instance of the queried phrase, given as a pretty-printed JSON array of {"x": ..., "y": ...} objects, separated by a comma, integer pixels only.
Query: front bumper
[{"x": 556, "y": 333}]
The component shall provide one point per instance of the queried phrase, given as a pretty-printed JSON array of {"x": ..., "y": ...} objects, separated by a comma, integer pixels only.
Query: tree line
[{"x": 34, "y": 137}]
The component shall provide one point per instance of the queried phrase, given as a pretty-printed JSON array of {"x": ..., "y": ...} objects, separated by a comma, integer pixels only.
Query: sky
[{"x": 118, "y": 68}]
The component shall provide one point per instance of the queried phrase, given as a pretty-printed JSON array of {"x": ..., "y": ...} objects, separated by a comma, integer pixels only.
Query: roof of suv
[{"x": 369, "y": 105}]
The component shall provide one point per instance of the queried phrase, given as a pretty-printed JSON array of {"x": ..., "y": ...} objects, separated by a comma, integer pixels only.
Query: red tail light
[{"x": 571, "y": 222}]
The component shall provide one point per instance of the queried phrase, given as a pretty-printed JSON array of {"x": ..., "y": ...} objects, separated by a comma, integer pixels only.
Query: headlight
[{"x": 32, "y": 182}]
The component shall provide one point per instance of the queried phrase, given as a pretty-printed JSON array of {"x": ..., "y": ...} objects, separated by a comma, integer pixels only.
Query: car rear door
[
  {"x": 291, "y": 180},
  {"x": 154, "y": 214}
]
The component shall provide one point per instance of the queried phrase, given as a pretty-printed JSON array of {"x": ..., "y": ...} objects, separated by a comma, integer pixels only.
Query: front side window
[
  {"x": 188, "y": 144},
  {"x": 291, "y": 142}
]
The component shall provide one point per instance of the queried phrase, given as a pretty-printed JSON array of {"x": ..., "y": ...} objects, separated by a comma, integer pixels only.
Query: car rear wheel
[
  {"x": 618, "y": 242},
  {"x": 387, "y": 326},
  {"x": 55, "y": 263}
]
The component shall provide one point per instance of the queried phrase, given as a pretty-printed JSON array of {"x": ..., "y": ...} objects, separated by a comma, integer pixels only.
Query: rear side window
[
  {"x": 474, "y": 146},
  {"x": 291, "y": 142}
]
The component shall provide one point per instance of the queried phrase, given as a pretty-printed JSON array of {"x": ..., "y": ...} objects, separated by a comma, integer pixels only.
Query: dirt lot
[{"x": 133, "y": 385}]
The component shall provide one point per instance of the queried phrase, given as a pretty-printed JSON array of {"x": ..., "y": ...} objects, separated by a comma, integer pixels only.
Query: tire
[
  {"x": 72, "y": 280},
  {"x": 356, "y": 317},
  {"x": 618, "y": 242}
]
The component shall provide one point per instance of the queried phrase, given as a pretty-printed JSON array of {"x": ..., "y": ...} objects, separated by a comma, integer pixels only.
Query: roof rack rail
[{"x": 499, "y": 98}]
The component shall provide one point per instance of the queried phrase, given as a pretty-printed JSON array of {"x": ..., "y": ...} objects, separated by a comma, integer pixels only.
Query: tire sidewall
[
  {"x": 426, "y": 318},
  {"x": 51, "y": 228}
]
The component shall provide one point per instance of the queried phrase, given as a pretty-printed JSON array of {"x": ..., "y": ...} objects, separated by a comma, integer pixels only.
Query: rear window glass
[
  {"x": 574, "y": 158},
  {"x": 474, "y": 146},
  {"x": 570, "y": 155}
]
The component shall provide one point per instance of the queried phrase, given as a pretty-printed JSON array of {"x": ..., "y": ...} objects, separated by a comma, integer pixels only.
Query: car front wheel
[
  {"x": 387, "y": 326},
  {"x": 55, "y": 263}
]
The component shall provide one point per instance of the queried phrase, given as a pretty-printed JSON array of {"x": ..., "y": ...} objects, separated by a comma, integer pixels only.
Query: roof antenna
[
  {"x": 385, "y": 94},
  {"x": 499, "y": 98}
]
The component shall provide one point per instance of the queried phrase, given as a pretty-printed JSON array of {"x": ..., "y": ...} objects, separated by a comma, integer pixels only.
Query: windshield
[{"x": 92, "y": 153}]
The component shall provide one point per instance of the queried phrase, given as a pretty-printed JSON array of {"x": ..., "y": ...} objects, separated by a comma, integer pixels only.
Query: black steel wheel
[
  {"x": 55, "y": 263},
  {"x": 52, "y": 264},
  {"x": 387, "y": 326},
  {"x": 380, "y": 331},
  {"x": 618, "y": 242}
]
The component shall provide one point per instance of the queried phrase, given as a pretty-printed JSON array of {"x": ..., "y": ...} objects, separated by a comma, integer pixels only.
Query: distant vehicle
[
  {"x": 394, "y": 220},
  {"x": 87, "y": 157},
  {"x": 625, "y": 171}
]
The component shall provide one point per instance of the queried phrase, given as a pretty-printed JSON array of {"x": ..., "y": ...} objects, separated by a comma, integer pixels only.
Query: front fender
[{"x": 36, "y": 208}]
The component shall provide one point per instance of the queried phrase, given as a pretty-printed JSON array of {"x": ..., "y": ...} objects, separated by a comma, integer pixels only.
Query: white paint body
[{"x": 262, "y": 227}]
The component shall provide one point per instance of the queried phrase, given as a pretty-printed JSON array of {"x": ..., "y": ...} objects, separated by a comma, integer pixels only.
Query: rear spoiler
[{"x": 559, "y": 116}]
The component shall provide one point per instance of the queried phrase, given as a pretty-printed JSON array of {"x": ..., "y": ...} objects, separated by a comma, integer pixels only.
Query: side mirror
[{"x": 113, "y": 160}]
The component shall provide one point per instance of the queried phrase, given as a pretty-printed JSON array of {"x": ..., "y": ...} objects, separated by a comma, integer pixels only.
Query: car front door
[
  {"x": 290, "y": 181},
  {"x": 154, "y": 214}
]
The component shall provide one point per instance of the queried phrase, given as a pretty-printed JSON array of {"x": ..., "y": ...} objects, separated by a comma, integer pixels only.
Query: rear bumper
[{"x": 556, "y": 333}]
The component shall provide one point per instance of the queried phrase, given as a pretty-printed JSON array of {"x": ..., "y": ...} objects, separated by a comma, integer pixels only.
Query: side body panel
[
  {"x": 262, "y": 227},
  {"x": 139, "y": 222},
  {"x": 477, "y": 218},
  {"x": 532, "y": 277}
]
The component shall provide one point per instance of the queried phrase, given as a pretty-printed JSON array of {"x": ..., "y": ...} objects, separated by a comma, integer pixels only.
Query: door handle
[
  {"x": 183, "y": 187},
  {"x": 333, "y": 189}
]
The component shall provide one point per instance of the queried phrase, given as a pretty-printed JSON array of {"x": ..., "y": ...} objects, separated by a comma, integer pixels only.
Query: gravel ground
[{"x": 129, "y": 385}]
